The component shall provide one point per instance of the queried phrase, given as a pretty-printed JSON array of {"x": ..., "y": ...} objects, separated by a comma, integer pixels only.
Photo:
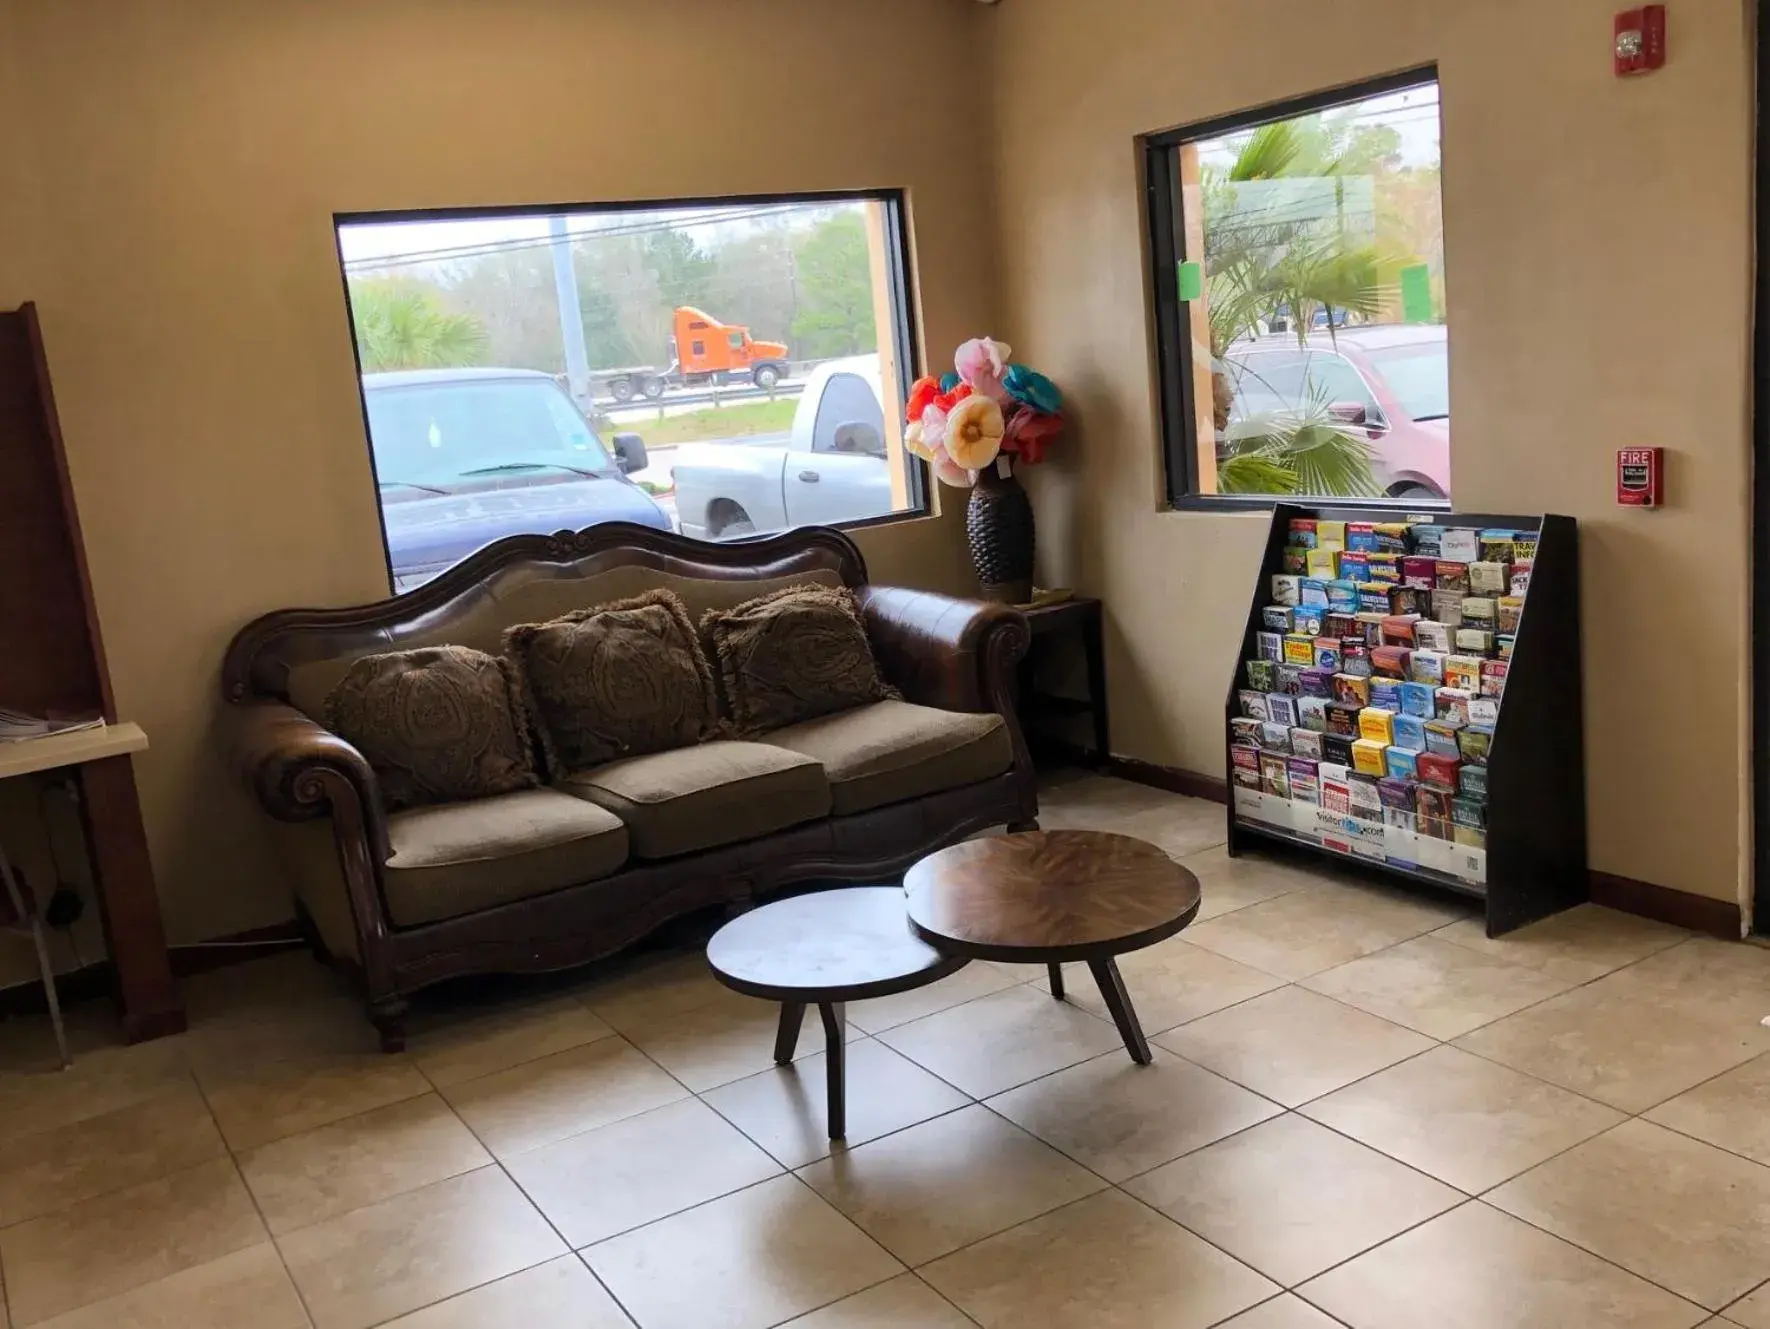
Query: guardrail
[{"x": 705, "y": 397}]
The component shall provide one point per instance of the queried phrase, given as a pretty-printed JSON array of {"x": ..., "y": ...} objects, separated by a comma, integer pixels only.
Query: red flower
[
  {"x": 922, "y": 391},
  {"x": 1029, "y": 433},
  {"x": 947, "y": 400}
]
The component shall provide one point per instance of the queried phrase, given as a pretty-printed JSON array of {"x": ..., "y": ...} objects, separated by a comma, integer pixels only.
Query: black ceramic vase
[{"x": 999, "y": 525}]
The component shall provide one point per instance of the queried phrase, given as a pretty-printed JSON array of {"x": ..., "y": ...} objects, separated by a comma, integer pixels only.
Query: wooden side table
[{"x": 1080, "y": 614}]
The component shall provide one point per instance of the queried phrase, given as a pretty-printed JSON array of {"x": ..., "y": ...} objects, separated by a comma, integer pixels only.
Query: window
[
  {"x": 519, "y": 369},
  {"x": 1298, "y": 256}
]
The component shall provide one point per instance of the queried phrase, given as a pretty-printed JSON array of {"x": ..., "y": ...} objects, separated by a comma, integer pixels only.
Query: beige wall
[
  {"x": 193, "y": 153},
  {"x": 1599, "y": 261}
]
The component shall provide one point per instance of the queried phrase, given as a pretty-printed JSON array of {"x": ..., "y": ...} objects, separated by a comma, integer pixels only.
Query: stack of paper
[{"x": 16, "y": 725}]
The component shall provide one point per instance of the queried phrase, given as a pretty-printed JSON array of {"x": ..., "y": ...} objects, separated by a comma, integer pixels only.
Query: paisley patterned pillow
[
  {"x": 793, "y": 655},
  {"x": 437, "y": 724},
  {"x": 617, "y": 680}
]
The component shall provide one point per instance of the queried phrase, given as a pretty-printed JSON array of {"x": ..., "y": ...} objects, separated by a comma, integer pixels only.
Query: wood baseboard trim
[
  {"x": 92, "y": 981},
  {"x": 1170, "y": 778},
  {"x": 1716, "y": 918}
]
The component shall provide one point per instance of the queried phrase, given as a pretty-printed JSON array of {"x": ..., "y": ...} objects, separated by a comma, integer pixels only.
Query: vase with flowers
[{"x": 974, "y": 427}]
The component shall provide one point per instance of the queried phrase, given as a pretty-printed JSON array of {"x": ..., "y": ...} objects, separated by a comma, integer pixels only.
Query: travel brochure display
[{"x": 1408, "y": 696}]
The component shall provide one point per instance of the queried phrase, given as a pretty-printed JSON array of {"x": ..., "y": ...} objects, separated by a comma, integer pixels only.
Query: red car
[{"x": 1390, "y": 383}]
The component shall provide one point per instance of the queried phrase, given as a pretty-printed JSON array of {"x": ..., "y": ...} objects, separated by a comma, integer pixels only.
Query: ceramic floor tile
[
  {"x": 1436, "y": 987},
  {"x": 329, "y": 1171},
  {"x": 1118, "y": 1118},
  {"x": 1728, "y": 1110},
  {"x": 977, "y": 979},
  {"x": 1463, "y": 1119},
  {"x": 635, "y": 1171},
  {"x": 561, "y": 1294},
  {"x": 1106, "y": 1262},
  {"x": 249, "y": 1287},
  {"x": 49, "y": 1170},
  {"x": 1619, "y": 1044},
  {"x": 1291, "y": 1198},
  {"x": 1753, "y": 1311},
  {"x": 126, "y": 1239},
  {"x": 467, "y": 1046},
  {"x": 1098, "y": 802},
  {"x": 404, "y": 1253},
  {"x": 542, "y": 1101},
  {"x": 1227, "y": 884},
  {"x": 999, "y": 1041},
  {"x": 1306, "y": 932},
  {"x": 785, "y": 1108},
  {"x": 1579, "y": 944},
  {"x": 906, "y": 1302},
  {"x": 723, "y": 1040},
  {"x": 1292, "y": 1045},
  {"x": 1286, "y": 1312},
  {"x": 1184, "y": 826},
  {"x": 1170, "y": 983},
  {"x": 652, "y": 987},
  {"x": 747, "y": 1261},
  {"x": 936, "y": 1187},
  {"x": 1684, "y": 1214},
  {"x": 37, "y": 1095},
  {"x": 257, "y": 1102},
  {"x": 1722, "y": 980},
  {"x": 1476, "y": 1268}
]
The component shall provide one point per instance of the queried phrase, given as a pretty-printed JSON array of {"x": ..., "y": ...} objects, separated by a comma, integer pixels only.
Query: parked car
[
  {"x": 1388, "y": 383},
  {"x": 467, "y": 456},
  {"x": 831, "y": 469}
]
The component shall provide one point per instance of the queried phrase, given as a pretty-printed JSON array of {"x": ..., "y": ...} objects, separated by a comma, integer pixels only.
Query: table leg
[
  {"x": 1056, "y": 980},
  {"x": 124, "y": 876},
  {"x": 835, "y": 1065},
  {"x": 1094, "y": 648},
  {"x": 1118, "y": 1001},
  {"x": 786, "y": 1038}
]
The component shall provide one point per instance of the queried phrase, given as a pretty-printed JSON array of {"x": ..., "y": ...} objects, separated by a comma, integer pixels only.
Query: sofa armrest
[
  {"x": 959, "y": 655},
  {"x": 301, "y": 770}
]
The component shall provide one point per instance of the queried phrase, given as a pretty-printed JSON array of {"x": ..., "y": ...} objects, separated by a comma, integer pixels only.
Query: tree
[
  {"x": 402, "y": 323},
  {"x": 685, "y": 272},
  {"x": 835, "y": 314}
]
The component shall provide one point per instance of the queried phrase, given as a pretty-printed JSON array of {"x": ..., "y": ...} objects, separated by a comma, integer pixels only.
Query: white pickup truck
[{"x": 831, "y": 469}]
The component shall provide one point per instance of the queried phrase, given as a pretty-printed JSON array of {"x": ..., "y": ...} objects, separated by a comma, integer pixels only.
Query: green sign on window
[
  {"x": 1192, "y": 281},
  {"x": 1416, "y": 294}
]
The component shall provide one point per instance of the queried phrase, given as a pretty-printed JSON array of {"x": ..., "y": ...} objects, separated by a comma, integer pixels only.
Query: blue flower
[
  {"x": 949, "y": 381},
  {"x": 1031, "y": 388}
]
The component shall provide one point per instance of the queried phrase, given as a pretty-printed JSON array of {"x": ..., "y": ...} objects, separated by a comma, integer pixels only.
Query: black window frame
[
  {"x": 1173, "y": 342},
  {"x": 899, "y": 284}
]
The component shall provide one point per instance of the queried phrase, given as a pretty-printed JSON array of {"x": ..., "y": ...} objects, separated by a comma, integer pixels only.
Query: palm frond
[
  {"x": 1323, "y": 459},
  {"x": 1254, "y": 473}
]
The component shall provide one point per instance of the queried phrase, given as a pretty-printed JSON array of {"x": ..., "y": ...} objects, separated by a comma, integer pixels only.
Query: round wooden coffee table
[
  {"x": 825, "y": 950},
  {"x": 1054, "y": 897}
]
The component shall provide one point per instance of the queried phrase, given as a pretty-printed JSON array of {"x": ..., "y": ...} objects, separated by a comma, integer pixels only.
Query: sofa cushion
[
  {"x": 460, "y": 857},
  {"x": 437, "y": 724},
  {"x": 791, "y": 656},
  {"x": 893, "y": 750},
  {"x": 616, "y": 680},
  {"x": 713, "y": 794}
]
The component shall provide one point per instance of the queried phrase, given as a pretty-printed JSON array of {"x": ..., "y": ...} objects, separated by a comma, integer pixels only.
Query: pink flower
[
  {"x": 949, "y": 472},
  {"x": 933, "y": 427},
  {"x": 981, "y": 362}
]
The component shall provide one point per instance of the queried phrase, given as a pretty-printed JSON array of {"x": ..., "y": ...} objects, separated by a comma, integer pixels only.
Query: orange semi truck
[{"x": 702, "y": 350}]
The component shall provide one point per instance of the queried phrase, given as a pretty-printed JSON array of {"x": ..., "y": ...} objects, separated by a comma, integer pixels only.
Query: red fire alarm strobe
[
  {"x": 1640, "y": 40},
  {"x": 1640, "y": 477}
]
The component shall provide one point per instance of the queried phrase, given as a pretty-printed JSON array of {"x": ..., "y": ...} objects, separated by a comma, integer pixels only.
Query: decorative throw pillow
[
  {"x": 793, "y": 655},
  {"x": 617, "y": 680},
  {"x": 437, "y": 724}
]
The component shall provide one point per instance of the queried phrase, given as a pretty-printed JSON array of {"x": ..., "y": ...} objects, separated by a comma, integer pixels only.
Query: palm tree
[{"x": 401, "y": 324}]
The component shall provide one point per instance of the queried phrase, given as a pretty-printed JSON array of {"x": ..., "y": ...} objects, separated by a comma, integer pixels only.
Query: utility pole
[{"x": 571, "y": 315}]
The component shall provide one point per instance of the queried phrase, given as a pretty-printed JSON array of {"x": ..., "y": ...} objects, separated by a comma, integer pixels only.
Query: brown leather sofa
[{"x": 541, "y": 880}]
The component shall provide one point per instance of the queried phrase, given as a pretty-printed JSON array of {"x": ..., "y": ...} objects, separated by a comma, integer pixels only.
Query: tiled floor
[{"x": 1362, "y": 1112}]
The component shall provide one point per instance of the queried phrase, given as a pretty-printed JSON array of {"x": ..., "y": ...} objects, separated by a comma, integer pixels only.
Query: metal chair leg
[{"x": 44, "y": 966}]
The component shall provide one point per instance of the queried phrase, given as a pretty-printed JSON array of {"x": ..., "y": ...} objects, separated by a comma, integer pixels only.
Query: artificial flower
[
  {"x": 912, "y": 441},
  {"x": 1028, "y": 433},
  {"x": 949, "y": 472},
  {"x": 1032, "y": 388},
  {"x": 933, "y": 427},
  {"x": 922, "y": 391},
  {"x": 949, "y": 381},
  {"x": 974, "y": 432},
  {"x": 980, "y": 362}
]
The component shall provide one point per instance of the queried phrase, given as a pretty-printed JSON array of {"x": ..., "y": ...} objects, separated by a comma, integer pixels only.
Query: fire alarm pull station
[
  {"x": 1640, "y": 40},
  {"x": 1640, "y": 477}
]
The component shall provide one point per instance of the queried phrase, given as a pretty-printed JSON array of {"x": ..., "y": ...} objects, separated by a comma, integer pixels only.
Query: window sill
[{"x": 1259, "y": 503}]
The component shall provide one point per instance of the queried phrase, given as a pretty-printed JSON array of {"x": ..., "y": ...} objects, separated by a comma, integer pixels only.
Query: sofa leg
[
  {"x": 1024, "y": 824},
  {"x": 388, "y": 1015}
]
